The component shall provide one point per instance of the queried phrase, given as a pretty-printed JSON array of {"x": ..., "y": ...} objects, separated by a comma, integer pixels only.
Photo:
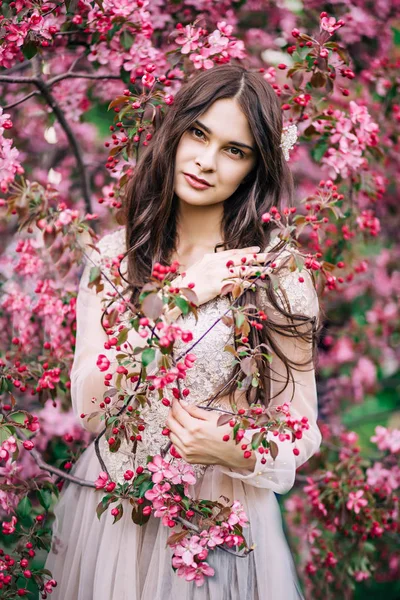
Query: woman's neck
[{"x": 198, "y": 232}]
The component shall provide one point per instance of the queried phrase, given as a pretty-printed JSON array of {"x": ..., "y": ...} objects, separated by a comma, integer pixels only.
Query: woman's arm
[{"x": 87, "y": 381}]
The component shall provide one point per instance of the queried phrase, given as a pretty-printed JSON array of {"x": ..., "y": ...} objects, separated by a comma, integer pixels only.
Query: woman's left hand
[{"x": 198, "y": 439}]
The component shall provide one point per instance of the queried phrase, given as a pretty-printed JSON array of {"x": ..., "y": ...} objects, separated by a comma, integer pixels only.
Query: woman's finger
[
  {"x": 196, "y": 412},
  {"x": 177, "y": 443},
  {"x": 174, "y": 426}
]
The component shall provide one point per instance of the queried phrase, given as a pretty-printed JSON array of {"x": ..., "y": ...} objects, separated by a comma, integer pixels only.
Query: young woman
[{"x": 213, "y": 168}]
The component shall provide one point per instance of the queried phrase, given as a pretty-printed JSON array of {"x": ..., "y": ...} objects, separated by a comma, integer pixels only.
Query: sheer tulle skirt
[{"x": 93, "y": 559}]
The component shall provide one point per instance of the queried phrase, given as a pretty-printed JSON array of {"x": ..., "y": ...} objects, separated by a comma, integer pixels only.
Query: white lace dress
[{"x": 93, "y": 559}]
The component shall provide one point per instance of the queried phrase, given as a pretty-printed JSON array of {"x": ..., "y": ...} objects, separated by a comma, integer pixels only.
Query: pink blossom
[
  {"x": 330, "y": 24},
  {"x": 66, "y": 217},
  {"x": 160, "y": 469},
  {"x": 49, "y": 379},
  {"x": 101, "y": 481},
  {"x": 9, "y": 526},
  {"x": 166, "y": 513},
  {"x": 237, "y": 516},
  {"x": 202, "y": 59},
  {"x": 363, "y": 377},
  {"x": 349, "y": 437},
  {"x": 214, "y": 536},
  {"x": 355, "y": 501},
  {"x": 103, "y": 363},
  {"x": 186, "y": 550},
  {"x": 148, "y": 80},
  {"x": 196, "y": 573},
  {"x": 8, "y": 501},
  {"x": 158, "y": 494},
  {"x": 8, "y": 447},
  {"x": 368, "y": 222},
  {"x": 188, "y": 39},
  {"x": 361, "y": 575},
  {"x": 217, "y": 41},
  {"x": 387, "y": 439}
]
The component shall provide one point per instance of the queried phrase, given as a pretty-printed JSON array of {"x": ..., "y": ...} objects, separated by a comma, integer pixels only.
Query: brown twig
[
  {"x": 44, "y": 89},
  {"x": 37, "y": 457}
]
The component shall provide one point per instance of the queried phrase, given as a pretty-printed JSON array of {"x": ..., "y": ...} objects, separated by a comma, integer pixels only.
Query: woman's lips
[{"x": 196, "y": 184}]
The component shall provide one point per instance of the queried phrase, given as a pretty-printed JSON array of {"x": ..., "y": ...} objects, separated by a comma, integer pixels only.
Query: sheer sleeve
[
  {"x": 87, "y": 381},
  {"x": 279, "y": 474}
]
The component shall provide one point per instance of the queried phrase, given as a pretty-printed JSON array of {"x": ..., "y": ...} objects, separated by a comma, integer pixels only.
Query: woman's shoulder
[
  {"x": 293, "y": 282},
  {"x": 113, "y": 243}
]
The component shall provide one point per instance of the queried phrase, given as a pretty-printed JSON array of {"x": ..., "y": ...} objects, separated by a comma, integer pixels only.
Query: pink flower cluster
[
  {"x": 7, "y": 448},
  {"x": 191, "y": 552},
  {"x": 387, "y": 439},
  {"x": 168, "y": 376},
  {"x": 217, "y": 47},
  {"x": 9, "y": 526},
  {"x": 384, "y": 480},
  {"x": 356, "y": 501},
  {"x": 30, "y": 262},
  {"x": 367, "y": 221},
  {"x": 20, "y": 27},
  {"x": 189, "y": 559},
  {"x": 9, "y": 164},
  {"x": 349, "y": 139}
]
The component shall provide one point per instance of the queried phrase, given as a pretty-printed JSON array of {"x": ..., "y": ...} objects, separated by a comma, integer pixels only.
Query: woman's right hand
[{"x": 211, "y": 273}]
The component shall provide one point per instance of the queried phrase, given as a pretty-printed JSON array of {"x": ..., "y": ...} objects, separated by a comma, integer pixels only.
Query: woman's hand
[
  {"x": 209, "y": 273},
  {"x": 198, "y": 439}
]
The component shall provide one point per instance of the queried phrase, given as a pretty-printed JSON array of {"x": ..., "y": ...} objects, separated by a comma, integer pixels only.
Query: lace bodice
[{"x": 213, "y": 365}]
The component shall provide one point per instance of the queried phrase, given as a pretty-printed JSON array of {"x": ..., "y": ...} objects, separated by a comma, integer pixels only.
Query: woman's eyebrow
[{"x": 197, "y": 122}]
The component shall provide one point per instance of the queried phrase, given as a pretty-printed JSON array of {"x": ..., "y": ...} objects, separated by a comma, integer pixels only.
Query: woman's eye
[
  {"x": 194, "y": 130},
  {"x": 241, "y": 154}
]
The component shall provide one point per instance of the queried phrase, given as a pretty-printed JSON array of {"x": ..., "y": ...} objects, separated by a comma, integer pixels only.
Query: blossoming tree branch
[{"x": 132, "y": 57}]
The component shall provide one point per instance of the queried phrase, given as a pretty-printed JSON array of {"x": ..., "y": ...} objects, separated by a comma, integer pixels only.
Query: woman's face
[{"x": 219, "y": 148}]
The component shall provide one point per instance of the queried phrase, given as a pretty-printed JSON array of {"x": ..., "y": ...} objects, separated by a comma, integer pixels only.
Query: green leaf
[
  {"x": 29, "y": 50},
  {"x": 396, "y": 36},
  {"x": 152, "y": 306},
  {"x": 104, "y": 504},
  {"x": 45, "y": 498},
  {"x": 182, "y": 304},
  {"x": 5, "y": 433},
  {"x": 119, "y": 515},
  {"x": 148, "y": 356},
  {"x": 319, "y": 151},
  {"x": 239, "y": 319},
  {"x": 123, "y": 336},
  {"x": 137, "y": 515},
  {"x": 24, "y": 508},
  {"x": 94, "y": 274},
  {"x": 126, "y": 39},
  {"x": 256, "y": 440},
  {"x": 144, "y": 487}
]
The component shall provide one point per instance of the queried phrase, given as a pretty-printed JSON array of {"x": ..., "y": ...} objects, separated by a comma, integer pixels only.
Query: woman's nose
[{"x": 206, "y": 160}]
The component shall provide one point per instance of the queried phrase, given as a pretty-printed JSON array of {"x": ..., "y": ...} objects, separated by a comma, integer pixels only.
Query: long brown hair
[{"x": 151, "y": 206}]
